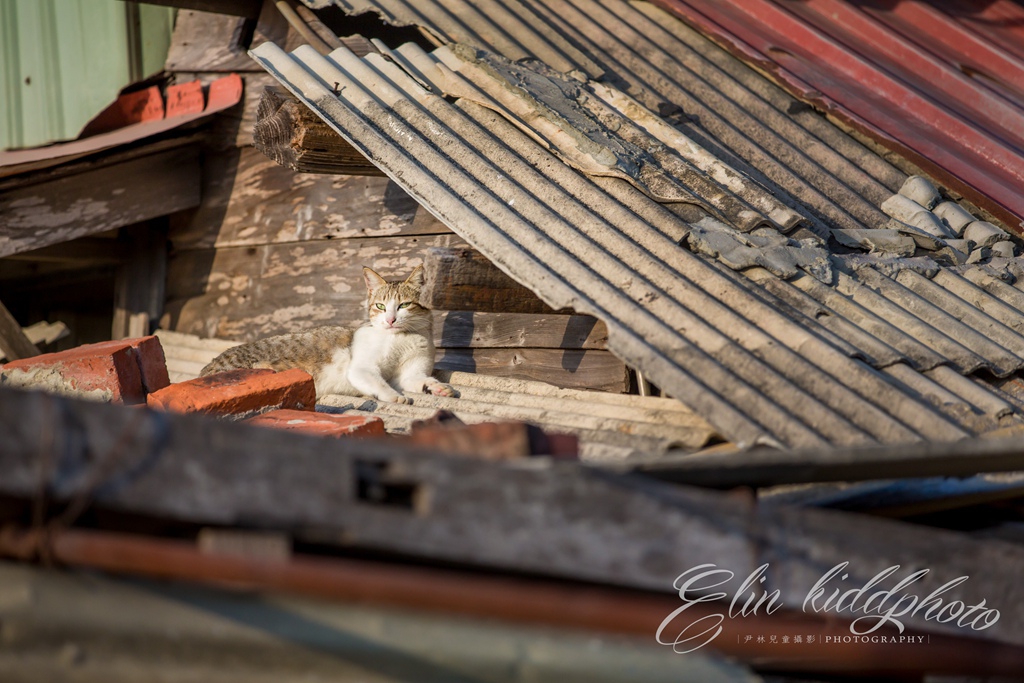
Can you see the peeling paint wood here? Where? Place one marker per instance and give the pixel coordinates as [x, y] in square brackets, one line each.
[553, 518]
[250, 200]
[569, 368]
[244, 293]
[464, 279]
[205, 41]
[239, 8]
[466, 329]
[99, 199]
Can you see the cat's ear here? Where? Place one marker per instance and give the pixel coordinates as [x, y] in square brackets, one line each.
[373, 281]
[415, 278]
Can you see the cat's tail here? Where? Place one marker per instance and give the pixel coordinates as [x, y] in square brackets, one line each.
[235, 358]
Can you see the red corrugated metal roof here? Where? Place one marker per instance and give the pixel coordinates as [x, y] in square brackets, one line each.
[942, 82]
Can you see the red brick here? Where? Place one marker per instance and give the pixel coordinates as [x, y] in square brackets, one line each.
[490, 440]
[240, 393]
[321, 424]
[122, 371]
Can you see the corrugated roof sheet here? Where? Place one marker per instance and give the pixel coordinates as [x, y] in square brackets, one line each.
[493, 149]
[945, 81]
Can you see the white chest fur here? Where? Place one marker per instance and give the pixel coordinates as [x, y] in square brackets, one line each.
[389, 352]
[377, 356]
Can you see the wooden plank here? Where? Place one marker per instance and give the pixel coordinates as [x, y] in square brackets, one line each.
[465, 329]
[288, 132]
[769, 467]
[464, 280]
[569, 368]
[83, 253]
[140, 282]
[243, 293]
[559, 519]
[76, 165]
[100, 199]
[240, 8]
[250, 200]
[205, 41]
[12, 338]
[41, 332]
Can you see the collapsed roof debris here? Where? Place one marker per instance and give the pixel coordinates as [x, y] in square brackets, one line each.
[584, 229]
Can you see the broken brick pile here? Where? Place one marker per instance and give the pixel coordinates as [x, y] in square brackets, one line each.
[134, 372]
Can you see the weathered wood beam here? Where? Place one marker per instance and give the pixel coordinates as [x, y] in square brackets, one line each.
[12, 338]
[141, 281]
[476, 329]
[768, 467]
[249, 9]
[568, 368]
[100, 197]
[293, 136]
[553, 518]
[274, 205]
[41, 332]
[464, 280]
[86, 252]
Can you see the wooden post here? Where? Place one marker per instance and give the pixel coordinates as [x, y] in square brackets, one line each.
[13, 340]
[141, 280]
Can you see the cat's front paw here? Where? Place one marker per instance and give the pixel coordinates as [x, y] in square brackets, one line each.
[440, 389]
[392, 397]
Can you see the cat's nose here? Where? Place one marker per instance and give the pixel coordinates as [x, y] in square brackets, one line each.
[390, 319]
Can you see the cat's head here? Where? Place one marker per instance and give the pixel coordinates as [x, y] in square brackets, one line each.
[394, 306]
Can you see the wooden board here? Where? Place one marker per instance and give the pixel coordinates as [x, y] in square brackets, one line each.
[13, 341]
[205, 41]
[98, 198]
[243, 293]
[250, 200]
[465, 329]
[569, 368]
[288, 132]
[464, 280]
[770, 467]
[559, 519]
[241, 8]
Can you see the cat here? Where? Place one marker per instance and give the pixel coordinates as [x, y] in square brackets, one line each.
[388, 358]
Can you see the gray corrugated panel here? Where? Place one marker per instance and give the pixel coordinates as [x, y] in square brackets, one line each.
[810, 379]
[508, 28]
[765, 379]
[1001, 361]
[999, 289]
[836, 327]
[920, 330]
[977, 298]
[663, 61]
[667, 65]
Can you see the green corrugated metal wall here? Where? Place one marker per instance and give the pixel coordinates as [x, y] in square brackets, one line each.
[64, 61]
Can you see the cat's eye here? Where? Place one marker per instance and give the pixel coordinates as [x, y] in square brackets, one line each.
[380, 307]
[405, 305]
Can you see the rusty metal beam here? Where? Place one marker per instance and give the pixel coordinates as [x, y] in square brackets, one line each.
[521, 600]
